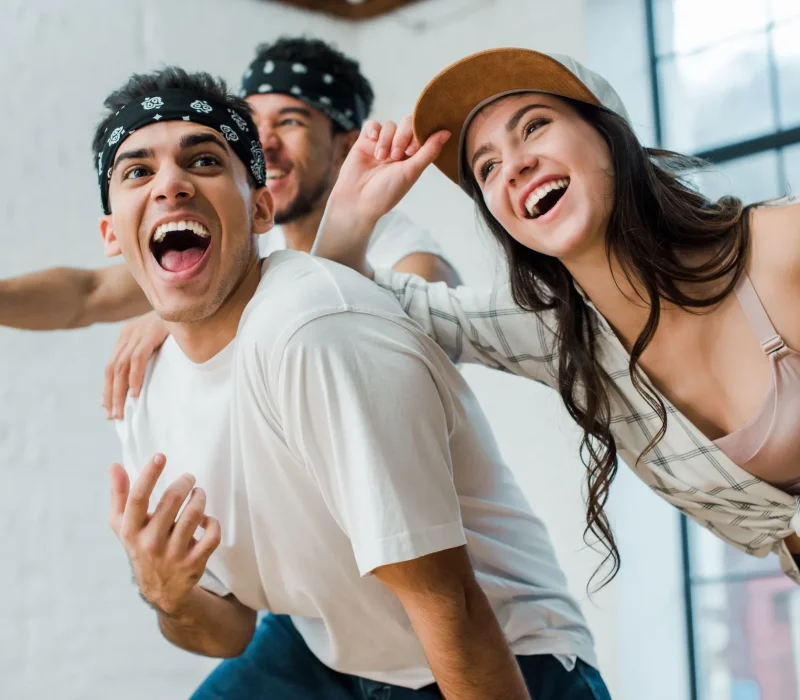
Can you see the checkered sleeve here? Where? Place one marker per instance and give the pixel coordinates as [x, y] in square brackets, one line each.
[478, 326]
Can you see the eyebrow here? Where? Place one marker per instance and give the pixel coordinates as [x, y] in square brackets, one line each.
[295, 110]
[187, 141]
[511, 124]
[138, 154]
[198, 139]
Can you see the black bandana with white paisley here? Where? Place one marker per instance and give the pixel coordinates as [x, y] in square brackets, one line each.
[176, 105]
[308, 84]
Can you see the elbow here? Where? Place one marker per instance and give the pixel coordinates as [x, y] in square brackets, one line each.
[430, 267]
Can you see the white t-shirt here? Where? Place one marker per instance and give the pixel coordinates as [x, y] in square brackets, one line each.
[333, 437]
[395, 236]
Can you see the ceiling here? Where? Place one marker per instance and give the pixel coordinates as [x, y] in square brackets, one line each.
[349, 9]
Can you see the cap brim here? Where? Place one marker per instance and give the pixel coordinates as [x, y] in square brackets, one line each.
[451, 96]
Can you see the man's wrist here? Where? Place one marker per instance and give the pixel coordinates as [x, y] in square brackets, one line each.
[169, 610]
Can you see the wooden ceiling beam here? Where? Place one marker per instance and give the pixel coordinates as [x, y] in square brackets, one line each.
[349, 10]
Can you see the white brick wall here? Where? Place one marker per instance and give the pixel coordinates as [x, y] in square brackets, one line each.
[71, 624]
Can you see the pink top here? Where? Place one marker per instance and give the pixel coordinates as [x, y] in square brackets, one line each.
[768, 445]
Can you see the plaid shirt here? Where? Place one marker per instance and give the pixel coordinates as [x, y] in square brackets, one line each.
[685, 468]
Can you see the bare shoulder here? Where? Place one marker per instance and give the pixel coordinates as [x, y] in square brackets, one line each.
[774, 265]
[776, 239]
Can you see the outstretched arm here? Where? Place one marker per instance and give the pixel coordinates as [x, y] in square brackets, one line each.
[64, 297]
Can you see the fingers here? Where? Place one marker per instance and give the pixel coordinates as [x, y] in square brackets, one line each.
[112, 369]
[429, 151]
[135, 515]
[120, 388]
[166, 511]
[191, 517]
[137, 370]
[120, 486]
[403, 138]
[384, 144]
[205, 546]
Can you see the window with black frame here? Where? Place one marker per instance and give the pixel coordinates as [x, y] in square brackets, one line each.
[726, 79]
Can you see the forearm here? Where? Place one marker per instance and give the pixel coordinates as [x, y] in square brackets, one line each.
[45, 300]
[62, 297]
[468, 652]
[209, 625]
[344, 237]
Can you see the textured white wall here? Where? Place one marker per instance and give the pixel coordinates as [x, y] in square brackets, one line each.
[71, 624]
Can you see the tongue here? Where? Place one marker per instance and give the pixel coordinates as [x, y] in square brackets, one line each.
[180, 260]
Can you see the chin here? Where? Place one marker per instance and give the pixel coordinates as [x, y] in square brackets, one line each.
[191, 312]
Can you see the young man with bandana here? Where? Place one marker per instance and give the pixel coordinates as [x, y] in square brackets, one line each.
[309, 101]
[381, 528]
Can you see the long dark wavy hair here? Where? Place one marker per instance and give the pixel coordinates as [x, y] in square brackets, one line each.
[658, 222]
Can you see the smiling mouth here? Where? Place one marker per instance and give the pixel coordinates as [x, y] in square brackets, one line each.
[179, 245]
[276, 173]
[544, 198]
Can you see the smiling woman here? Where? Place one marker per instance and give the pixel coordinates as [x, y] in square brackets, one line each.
[635, 297]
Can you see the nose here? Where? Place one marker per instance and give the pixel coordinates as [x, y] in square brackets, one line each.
[268, 137]
[172, 185]
[516, 165]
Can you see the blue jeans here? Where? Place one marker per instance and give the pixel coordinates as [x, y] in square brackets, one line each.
[277, 665]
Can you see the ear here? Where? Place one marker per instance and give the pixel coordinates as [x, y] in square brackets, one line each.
[110, 244]
[343, 142]
[263, 209]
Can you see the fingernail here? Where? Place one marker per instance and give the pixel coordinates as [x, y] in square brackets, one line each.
[381, 153]
[158, 460]
[373, 134]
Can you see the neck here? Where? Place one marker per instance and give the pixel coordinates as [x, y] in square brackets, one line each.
[622, 302]
[201, 340]
[300, 233]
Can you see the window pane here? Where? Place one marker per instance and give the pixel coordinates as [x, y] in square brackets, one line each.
[786, 40]
[753, 178]
[711, 558]
[784, 9]
[747, 641]
[687, 25]
[718, 96]
[791, 161]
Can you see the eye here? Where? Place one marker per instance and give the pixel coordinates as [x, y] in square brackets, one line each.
[486, 169]
[206, 161]
[535, 124]
[291, 122]
[136, 172]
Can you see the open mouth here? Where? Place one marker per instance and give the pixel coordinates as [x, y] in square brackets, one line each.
[276, 174]
[178, 246]
[544, 198]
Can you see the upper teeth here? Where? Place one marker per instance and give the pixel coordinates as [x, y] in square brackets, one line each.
[193, 226]
[275, 173]
[536, 196]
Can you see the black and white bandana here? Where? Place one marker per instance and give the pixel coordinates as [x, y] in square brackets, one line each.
[174, 105]
[308, 84]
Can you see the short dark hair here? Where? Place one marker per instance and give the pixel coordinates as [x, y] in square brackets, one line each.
[319, 53]
[141, 85]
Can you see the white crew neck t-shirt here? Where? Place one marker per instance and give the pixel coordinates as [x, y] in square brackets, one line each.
[332, 436]
[394, 237]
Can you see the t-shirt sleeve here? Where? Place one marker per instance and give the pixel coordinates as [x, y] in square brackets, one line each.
[362, 408]
[212, 584]
[395, 237]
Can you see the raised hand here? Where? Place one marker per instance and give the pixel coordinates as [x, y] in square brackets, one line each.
[167, 559]
[378, 172]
